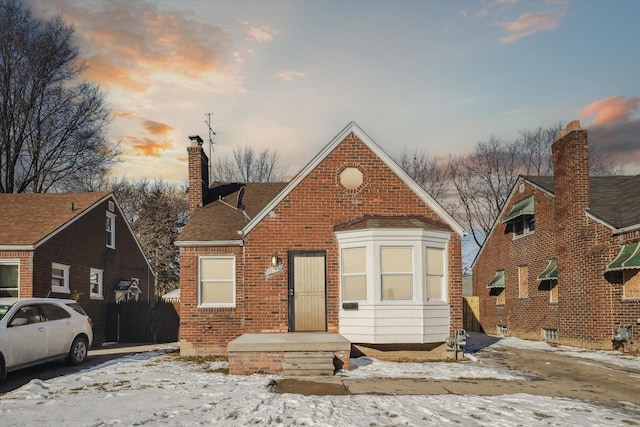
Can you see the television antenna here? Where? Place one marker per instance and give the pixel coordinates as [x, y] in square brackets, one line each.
[211, 135]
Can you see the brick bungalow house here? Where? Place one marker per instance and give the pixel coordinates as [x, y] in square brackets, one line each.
[562, 263]
[351, 245]
[72, 245]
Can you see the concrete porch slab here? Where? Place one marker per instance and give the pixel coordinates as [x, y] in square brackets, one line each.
[291, 341]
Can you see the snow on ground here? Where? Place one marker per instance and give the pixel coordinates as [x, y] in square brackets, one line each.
[156, 389]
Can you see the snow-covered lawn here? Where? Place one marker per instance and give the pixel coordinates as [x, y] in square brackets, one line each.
[159, 389]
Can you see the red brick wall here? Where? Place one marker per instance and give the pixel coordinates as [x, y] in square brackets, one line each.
[303, 221]
[590, 304]
[25, 270]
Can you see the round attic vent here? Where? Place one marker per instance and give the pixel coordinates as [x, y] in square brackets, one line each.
[351, 178]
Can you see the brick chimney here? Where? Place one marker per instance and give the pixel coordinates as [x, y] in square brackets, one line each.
[570, 154]
[198, 173]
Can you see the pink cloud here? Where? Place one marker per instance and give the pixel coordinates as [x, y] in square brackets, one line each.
[148, 147]
[611, 110]
[289, 76]
[528, 24]
[157, 128]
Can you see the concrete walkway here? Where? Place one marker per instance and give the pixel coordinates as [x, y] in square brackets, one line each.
[552, 374]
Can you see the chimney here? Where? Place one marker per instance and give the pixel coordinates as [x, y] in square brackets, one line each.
[198, 173]
[570, 154]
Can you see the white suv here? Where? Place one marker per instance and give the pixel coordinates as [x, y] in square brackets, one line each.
[38, 330]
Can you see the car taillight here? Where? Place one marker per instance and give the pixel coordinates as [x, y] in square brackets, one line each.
[90, 321]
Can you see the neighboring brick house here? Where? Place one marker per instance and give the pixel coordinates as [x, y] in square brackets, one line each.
[71, 245]
[351, 245]
[562, 263]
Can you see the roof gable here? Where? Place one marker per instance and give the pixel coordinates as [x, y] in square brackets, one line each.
[388, 161]
[30, 219]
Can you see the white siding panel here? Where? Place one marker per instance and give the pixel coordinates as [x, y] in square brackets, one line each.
[396, 324]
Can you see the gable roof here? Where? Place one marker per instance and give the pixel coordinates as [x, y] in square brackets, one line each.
[352, 127]
[221, 204]
[28, 220]
[614, 200]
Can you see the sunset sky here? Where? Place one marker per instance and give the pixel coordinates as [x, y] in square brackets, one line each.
[289, 75]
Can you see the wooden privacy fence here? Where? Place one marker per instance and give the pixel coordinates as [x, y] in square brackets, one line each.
[142, 322]
[471, 314]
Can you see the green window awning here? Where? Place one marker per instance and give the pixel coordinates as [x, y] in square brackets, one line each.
[628, 257]
[551, 272]
[523, 207]
[497, 281]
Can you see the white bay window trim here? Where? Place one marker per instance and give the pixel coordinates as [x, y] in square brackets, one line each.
[420, 242]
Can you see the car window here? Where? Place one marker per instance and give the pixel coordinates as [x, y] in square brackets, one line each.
[25, 315]
[77, 308]
[3, 310]
[54, 312]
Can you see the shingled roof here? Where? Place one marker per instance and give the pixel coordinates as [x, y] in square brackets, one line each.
[27, 219]
[613, 199]
[220, 219]
[380, 221]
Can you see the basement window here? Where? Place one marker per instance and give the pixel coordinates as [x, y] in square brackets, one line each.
[501, 330]
[550, 334]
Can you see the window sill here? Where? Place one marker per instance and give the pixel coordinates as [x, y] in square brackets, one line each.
[96, 297]
[523, 235]
[59, 290]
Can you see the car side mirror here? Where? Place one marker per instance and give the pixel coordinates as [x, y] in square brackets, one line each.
[18, 321]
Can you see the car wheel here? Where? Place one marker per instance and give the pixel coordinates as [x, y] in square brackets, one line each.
[3, 368]
[78, 351]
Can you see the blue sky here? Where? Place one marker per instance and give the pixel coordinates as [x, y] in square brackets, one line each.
[438, 76]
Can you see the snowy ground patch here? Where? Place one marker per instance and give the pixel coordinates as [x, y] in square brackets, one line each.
[155, 389]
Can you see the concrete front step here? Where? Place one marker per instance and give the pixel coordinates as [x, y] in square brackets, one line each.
[298, 364]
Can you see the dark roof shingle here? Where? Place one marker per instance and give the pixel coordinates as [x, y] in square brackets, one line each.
[614, 199]
[220, 219]
[26, 219]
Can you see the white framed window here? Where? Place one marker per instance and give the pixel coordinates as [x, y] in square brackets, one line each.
[435, 275]
[9, 278]
[95, 283]
[60, 278]
[354, 274]
[111, 230]
[217, 281]
[396, 273]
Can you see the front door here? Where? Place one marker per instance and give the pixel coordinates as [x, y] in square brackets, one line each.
[307, 291]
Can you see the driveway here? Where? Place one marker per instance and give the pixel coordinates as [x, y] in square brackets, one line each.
[549, 374]
[46, 371]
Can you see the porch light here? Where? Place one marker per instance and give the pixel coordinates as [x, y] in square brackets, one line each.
[274, 259]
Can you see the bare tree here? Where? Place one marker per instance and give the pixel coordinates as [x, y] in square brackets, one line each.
[52, 125]
[248, 166]
[533, 150]
[483, 180]
[157, 213]
[432, 174]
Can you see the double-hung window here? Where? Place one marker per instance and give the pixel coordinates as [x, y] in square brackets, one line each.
[396, 269]
[216, 281]
[60, 278]
[9, 278]
[95, 283]
[435, 274]
[354, 274]
[111, 230]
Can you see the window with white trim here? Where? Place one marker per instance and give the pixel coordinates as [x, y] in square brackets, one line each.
[95, 283]
[216, 281]
[111, 230]
[60, 278]
[354, 274]
[9, 282]
[435, 274]
[396, 270]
